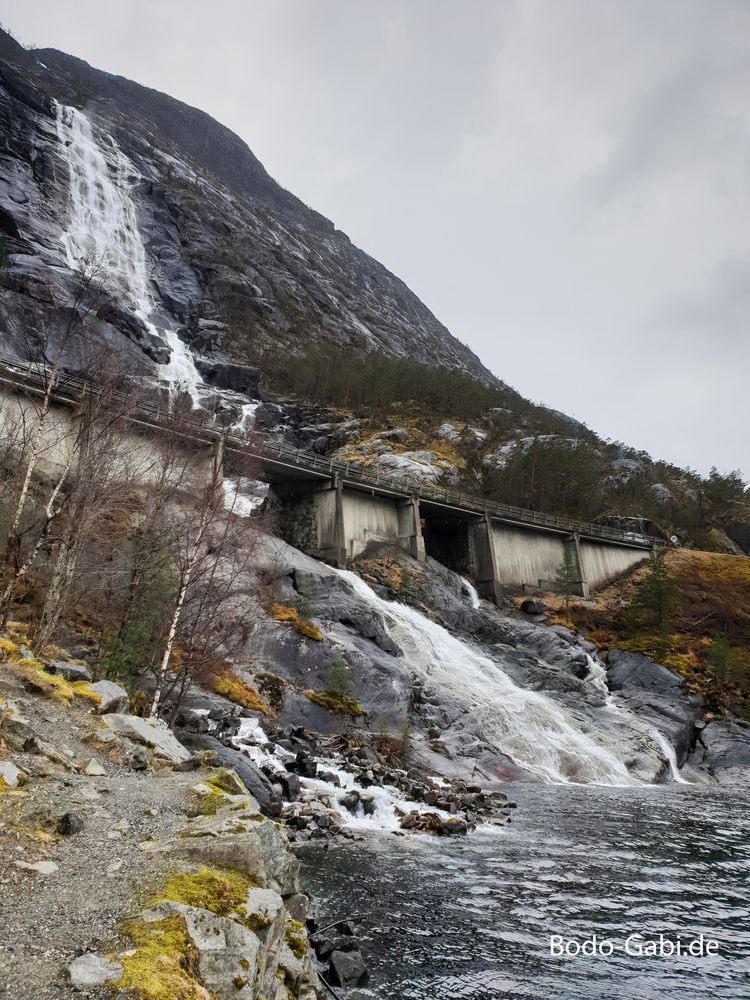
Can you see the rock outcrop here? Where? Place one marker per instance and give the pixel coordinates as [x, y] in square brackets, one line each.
[235, 261]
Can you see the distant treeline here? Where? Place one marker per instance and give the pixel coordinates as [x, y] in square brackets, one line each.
[378, 382]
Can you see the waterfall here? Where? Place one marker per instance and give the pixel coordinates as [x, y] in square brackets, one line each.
[532, 729]
[598, 676]
[471, 591]
[103, 224]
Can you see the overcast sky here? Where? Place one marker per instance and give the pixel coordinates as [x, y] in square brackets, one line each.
[565, 183]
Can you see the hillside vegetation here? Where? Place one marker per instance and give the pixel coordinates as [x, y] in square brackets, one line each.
[491, 440]
[692, 616]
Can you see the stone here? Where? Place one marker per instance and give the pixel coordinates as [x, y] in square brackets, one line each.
[42, 867]
[70, 671]
[24, 652]
[13, 776]
[298, 906]
[94, 768]
[137, 759]
[113, 697]
[249, 774]
[348, 968]
[239, 839]
[69, 824]
[93, 970]
[152, 733]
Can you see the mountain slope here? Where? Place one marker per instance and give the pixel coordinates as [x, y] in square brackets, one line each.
[225, 243]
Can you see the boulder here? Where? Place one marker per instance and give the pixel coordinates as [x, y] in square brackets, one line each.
[348, 968]
[725, 746]
[231, 962]
[92, 970]
[239, 838]
[70, 671]
[151, 733]
[113, 697]
[633, 670]
[251, 776]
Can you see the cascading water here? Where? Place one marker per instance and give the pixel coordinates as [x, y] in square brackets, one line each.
[471, 591]
[104, 224]
[532, 729]
[598, 678]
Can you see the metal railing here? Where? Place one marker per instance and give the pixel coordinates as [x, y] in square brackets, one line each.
[71, 389]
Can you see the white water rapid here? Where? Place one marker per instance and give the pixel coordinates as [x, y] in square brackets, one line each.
[385, 804]
[104, 224]
[529, 727]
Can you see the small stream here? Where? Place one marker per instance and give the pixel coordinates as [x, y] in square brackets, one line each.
[472, 917]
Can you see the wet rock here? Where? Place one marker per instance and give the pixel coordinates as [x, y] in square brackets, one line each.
[228, 375]
[348, 968]
[724, 750]
[113, 697]
[350, 801]
[93, 970]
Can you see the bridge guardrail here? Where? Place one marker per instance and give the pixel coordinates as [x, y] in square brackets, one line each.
[37, 373]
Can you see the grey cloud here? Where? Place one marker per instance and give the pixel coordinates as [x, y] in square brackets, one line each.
[564, 182]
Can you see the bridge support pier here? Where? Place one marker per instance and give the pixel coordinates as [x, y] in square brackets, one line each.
[410, 528]
[574, 544]
[485, 561]
[333, 532]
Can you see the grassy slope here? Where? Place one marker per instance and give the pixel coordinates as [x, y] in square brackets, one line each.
[714, 603]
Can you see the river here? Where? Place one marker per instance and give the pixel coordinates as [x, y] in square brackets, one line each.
[473, 917]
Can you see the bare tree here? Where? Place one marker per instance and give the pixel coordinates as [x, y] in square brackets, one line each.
[47, 374]
[195, 527]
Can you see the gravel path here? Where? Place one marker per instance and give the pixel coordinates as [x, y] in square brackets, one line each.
[46, 920]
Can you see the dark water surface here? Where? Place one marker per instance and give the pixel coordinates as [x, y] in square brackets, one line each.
[472, 918]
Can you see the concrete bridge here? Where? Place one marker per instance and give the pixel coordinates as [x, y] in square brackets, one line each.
[334, 510]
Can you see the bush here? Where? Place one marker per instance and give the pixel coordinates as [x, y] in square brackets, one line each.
[338, 679]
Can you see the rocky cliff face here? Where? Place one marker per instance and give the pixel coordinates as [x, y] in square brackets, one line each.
[235, 262]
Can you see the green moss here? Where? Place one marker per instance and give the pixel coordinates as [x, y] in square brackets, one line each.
[256, 922]
[222, 891]
[226, 781]
[163, 962]
[339, 704]
[239, 983]
[296, 938]
[208, 802]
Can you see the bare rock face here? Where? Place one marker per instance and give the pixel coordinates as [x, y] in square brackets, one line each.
[233, 259]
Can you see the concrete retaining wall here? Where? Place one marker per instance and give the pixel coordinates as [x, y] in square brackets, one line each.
[369, 519]
[603, 563]
[135, 456]
[524, 556]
